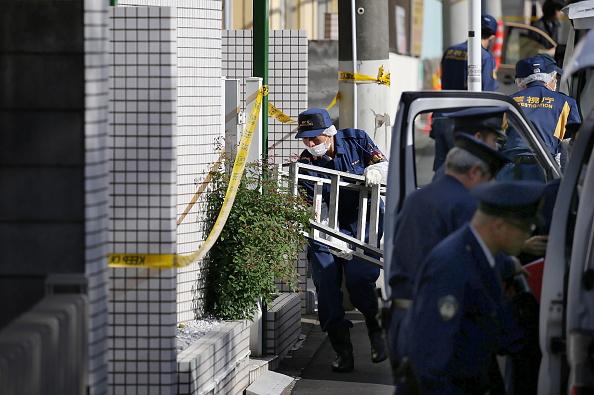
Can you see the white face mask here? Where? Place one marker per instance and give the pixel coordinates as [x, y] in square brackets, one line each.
[319, 150]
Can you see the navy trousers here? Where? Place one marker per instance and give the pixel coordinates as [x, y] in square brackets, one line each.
[327, 272]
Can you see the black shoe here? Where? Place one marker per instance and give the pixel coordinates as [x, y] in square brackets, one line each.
[378, 347]
[340, 340]
[344, 362]
[379, 352]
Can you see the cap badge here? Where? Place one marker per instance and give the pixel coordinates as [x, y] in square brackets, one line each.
[306, 122]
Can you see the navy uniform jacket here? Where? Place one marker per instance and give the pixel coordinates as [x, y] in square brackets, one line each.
[456, 320]
[354, 151]
[428, 215]
[454, 69]
[551, 113]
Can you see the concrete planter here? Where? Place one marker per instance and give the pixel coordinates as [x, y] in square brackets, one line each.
[283, 324]
[218, 363]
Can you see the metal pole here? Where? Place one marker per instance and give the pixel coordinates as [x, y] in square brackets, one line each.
[260, 61]
[227, 14]
[474, 46]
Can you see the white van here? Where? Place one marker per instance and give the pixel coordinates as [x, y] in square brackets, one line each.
[567, 299]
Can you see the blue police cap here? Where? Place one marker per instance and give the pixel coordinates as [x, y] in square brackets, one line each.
[312, 122]
[489, 23]
[521, 200]
[493, 158]
[479, 119]
[528, 66]
[550, 64]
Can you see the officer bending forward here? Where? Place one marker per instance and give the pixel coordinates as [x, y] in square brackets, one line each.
[456, 321]
[352, 151]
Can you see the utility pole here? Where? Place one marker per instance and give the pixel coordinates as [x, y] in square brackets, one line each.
[493, 8]
[455, 22]
[363, 47]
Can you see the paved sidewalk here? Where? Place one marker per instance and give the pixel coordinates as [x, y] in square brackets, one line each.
[310, 364]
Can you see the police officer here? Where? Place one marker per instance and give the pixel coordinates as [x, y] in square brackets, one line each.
[454, 73]
[430, 214]
[457, 318]
[554, 115]
[485, 123]
[353, 151]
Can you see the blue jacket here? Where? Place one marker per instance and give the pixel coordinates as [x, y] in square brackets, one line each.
[454, 69]
[354, 151]
[457, 318]
[552, 114]
[428, 215]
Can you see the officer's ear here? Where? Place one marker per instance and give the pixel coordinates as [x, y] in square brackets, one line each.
[477, 176]
[498, 226]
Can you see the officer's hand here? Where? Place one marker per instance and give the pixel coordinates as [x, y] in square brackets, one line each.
[344, 251]
[373, 177]
[345, 254]
[536, 245]
[519, 268]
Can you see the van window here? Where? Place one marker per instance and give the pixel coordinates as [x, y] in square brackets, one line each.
[523, 42]
[434, 132]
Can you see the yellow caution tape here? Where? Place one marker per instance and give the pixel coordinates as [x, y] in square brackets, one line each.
[201, 189]
[287, 135]
[381, 78]
[336, 98]
[163, 261]
[279, 115]
[168, 261]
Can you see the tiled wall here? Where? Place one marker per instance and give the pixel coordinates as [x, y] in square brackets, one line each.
[96, 22]
[199, 124]
[218, 363]
[143, 143]
[287, 81]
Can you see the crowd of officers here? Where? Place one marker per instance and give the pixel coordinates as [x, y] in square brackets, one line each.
[458, 242]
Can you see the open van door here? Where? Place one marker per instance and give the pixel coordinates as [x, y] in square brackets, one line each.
[567, 301]
[412, 149]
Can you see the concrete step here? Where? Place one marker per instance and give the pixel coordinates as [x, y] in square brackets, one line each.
[269, 383]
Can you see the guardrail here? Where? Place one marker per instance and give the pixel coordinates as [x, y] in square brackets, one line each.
[369, 204]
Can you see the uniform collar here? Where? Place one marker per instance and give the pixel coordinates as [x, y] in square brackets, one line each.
[536, 83]
[486, 251]
[338, 145]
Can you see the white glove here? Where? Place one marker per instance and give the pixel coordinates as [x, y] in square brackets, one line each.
[376, 174]
[373, 177]
[345, 253]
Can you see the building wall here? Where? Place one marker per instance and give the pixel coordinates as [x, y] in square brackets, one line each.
[143, 195]
[288, 76]
[287, 81]
[53, 158]
[96, 223]
[199, 114]
[288, 15]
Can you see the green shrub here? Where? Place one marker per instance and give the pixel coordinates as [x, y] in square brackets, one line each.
[259, 242]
